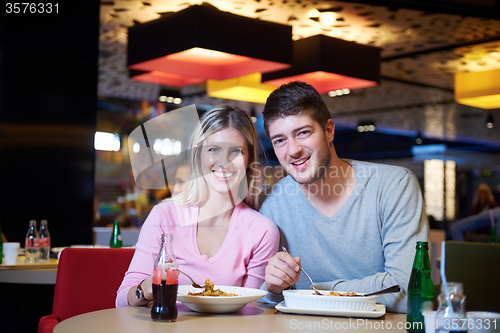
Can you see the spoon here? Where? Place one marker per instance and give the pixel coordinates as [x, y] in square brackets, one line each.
[303, 271]
[194, 284]
[393, 289]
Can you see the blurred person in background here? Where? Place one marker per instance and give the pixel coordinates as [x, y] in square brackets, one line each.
[182, 176]
[477, 225]
[483, 199]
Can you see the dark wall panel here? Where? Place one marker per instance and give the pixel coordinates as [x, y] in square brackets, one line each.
[48, 98]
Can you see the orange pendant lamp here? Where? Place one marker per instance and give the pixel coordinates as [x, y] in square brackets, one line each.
[478, 89]
[202, 42]
[329, 64]
[247, 88]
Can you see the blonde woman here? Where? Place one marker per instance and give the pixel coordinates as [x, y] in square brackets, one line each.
[217, 232]
[483, 199]
[484, 209]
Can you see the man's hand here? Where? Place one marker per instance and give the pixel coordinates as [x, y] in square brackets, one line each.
[282, 271]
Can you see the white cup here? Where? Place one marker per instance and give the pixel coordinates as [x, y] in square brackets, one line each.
[430, 321]
[483, 322]
[10, 252]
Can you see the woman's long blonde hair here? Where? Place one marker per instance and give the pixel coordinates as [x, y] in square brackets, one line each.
[212, 121]
[489, 194]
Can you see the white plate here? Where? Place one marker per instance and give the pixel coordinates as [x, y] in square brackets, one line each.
[378, 312]
[221, 304]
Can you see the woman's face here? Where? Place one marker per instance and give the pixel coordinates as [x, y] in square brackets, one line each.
[483, 196]
[224, 159]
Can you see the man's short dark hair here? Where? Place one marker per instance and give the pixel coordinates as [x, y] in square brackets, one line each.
[295, 98]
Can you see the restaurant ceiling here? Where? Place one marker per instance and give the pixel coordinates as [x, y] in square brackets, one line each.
[424, 43]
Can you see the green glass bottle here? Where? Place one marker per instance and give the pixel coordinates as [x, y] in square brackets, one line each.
[116, 236]
[420, 289]
[493, 235]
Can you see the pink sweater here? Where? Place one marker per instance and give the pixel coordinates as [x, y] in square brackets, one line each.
[252, 239]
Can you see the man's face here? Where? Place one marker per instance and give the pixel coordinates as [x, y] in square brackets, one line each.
[302, 147]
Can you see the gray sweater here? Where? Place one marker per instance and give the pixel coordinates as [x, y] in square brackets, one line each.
[368, 245]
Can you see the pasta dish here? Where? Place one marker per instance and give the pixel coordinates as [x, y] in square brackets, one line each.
[334, 293]
[209, 291]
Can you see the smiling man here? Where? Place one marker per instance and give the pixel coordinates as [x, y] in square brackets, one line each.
[352, 225]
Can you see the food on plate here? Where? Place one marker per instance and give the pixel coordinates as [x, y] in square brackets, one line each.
[334, 293]
[209, 291]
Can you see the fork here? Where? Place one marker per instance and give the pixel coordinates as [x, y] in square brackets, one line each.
[194, 284]
[316, 291]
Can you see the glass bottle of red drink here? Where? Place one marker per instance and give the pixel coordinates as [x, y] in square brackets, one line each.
[32, 244]
[165, 283]
[44, 240]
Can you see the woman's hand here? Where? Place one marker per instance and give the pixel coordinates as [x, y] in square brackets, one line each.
[147, 290]
[147, 287]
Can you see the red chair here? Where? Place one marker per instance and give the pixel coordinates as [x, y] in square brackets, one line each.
[87, 280]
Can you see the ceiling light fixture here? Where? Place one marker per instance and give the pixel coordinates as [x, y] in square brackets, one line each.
[313, 14]
[478, 89]
[329, 63]
[418, 139]
[327, 18]
[202, 42]
[490, 122]
[339, 92]
[253, 114]
[170, 96]
[366, 126]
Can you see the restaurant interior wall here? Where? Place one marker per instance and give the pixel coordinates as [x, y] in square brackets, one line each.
[48, 79]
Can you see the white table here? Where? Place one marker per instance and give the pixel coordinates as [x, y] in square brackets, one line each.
[37, 273]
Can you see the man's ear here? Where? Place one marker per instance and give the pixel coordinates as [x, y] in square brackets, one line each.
[330, 130]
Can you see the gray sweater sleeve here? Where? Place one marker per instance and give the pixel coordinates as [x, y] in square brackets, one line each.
[404, 222]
